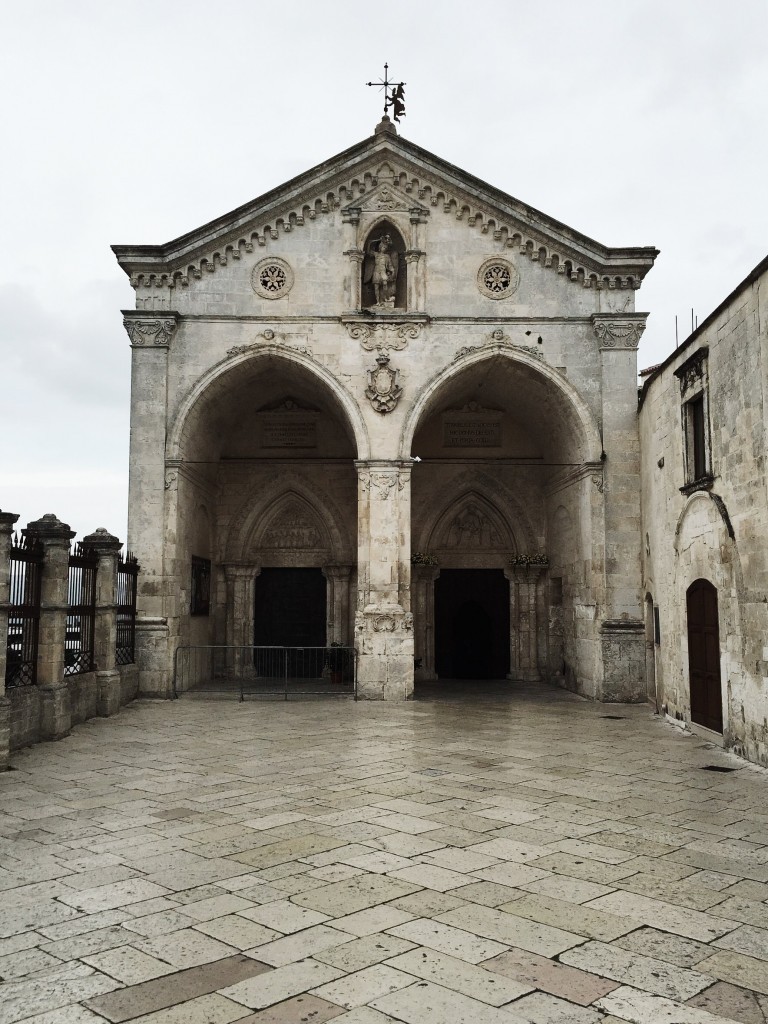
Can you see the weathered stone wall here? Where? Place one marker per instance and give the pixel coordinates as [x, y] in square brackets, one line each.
[716, 532]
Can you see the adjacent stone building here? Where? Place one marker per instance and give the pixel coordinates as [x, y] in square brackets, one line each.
[390, 406]
[704, 423]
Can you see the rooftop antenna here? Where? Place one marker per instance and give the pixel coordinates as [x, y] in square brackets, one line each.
[676, 339]
[394, 98]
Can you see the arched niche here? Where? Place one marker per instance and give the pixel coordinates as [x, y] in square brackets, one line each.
[384, 285]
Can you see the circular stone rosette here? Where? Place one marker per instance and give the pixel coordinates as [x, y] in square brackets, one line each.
[497, 278]
[272, 278]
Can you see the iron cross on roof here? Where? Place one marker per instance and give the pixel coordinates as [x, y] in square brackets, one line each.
[394, 99]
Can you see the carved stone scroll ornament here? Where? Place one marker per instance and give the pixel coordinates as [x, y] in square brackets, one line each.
[619, 333]
[383, 337]
[154, 331]
[270, 337]
[383, 391]
[385, 483]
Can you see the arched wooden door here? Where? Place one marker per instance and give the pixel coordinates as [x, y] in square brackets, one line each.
[704, 655]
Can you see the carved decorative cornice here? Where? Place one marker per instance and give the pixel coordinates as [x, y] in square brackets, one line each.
[618, 332]
[383, 335]
[411, 191]
[691, 372]
[149, 330]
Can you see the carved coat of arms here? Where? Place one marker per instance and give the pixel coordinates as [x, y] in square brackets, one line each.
[383, 391]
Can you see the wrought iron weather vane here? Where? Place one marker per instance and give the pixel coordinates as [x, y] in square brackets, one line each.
[394, 99]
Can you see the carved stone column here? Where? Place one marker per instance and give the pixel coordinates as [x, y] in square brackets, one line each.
[55, 713]
[524, 613]
[383, 622]
[239, 614]
[424, 578]
[415, 280]
[337, 619]
[105, 631]
[7, 521]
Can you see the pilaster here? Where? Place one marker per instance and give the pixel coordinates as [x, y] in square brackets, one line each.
[383, 622]
[55, 715]
[622, 629]
[240, 577]
[150, 336]
[424, 578]
[526, 621]
[7, 522]
[337, 630]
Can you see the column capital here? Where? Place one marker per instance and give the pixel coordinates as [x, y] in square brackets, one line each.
[240, 571]
[147, 328]
[336, 572]
[618, 331]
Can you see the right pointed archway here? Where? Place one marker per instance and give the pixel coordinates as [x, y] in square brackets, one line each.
[509, 483]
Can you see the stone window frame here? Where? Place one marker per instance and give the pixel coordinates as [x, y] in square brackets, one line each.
[511, 269]
[693, 375]
[283, 266]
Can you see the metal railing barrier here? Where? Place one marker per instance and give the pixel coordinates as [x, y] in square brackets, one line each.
[248, 671]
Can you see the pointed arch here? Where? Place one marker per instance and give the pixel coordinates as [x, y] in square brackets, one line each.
[583, 427]
[215, 382]
[471, 520]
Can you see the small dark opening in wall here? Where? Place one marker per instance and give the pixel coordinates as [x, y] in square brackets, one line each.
[556, 590]
[717, 768]
[614, 718]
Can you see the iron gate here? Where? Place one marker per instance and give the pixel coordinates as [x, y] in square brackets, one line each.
[27, 555]
[250, 671]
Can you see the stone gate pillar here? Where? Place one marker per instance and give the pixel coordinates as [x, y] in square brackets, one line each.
[383, 621]
[55, 712]
[105, 631]
[7, 521]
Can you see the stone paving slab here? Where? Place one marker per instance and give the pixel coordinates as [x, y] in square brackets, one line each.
[425, 863]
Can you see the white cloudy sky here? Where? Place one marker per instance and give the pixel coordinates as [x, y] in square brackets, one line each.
[638, 122]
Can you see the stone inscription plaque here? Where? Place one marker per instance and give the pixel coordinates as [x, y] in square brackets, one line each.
[471, 431]
[288, 430]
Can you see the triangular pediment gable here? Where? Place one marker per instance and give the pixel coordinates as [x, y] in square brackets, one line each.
[387, 172]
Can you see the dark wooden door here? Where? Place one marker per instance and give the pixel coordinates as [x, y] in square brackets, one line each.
[704, 655]
[471, 624]
[289, 611]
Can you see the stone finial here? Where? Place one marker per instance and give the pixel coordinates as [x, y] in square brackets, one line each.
[7, 519]
[49, 526]
[385, 127]
[102, 540]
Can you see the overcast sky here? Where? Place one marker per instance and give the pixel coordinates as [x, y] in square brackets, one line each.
[637, 123]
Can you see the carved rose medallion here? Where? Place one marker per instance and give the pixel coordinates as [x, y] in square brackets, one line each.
[383, 391]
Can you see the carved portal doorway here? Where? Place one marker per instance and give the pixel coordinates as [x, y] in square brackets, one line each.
[704, 655]
[472, 624]
[290, 611]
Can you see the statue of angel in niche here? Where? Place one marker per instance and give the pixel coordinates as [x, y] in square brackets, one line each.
[380, 270]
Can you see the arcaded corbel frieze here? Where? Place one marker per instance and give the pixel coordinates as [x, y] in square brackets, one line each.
[618, 332]
[146, 330]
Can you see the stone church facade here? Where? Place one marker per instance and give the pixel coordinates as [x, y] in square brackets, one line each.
[397, 380]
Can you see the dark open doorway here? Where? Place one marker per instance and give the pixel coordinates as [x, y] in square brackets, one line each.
[704, 655]
[472, 624]
[290, 611]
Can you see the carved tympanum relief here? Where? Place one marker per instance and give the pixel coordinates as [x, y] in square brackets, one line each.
[472, 528]
[293, 526]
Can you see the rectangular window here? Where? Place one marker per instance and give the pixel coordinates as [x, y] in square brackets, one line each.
[697, 436]
[200, 597]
